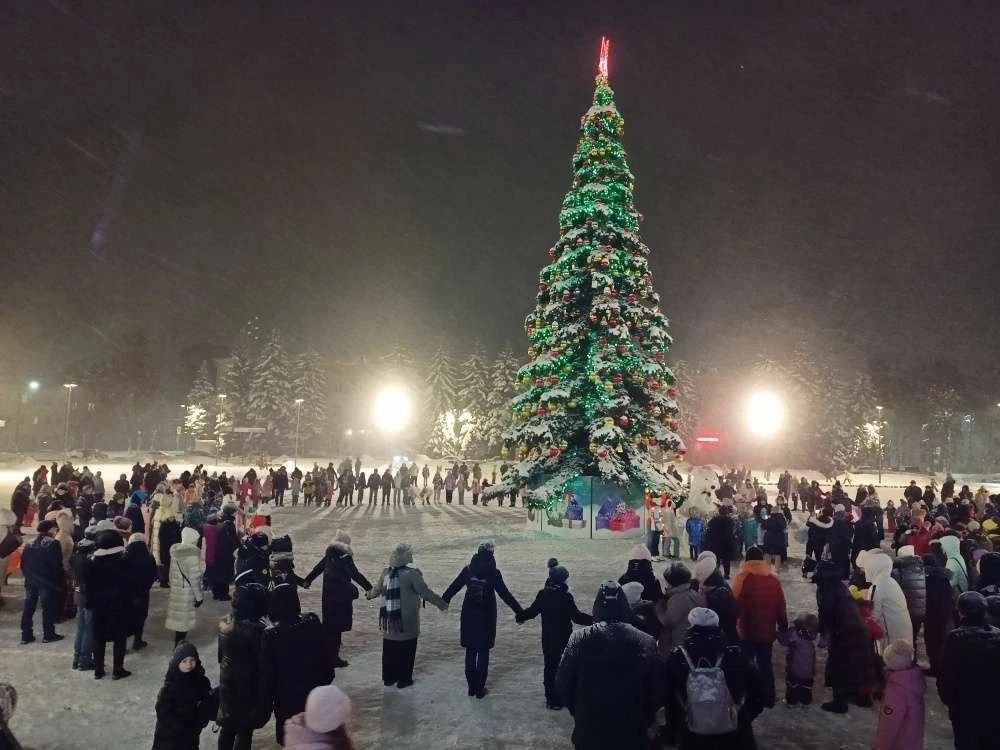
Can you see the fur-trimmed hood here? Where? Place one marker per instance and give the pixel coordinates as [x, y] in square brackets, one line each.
[819, 524]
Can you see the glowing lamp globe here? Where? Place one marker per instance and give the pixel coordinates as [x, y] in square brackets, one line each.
[765, 414]
[392, 409]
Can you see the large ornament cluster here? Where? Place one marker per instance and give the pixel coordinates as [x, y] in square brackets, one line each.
[597, 396]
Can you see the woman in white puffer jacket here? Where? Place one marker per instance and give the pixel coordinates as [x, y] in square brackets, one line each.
[888, 600]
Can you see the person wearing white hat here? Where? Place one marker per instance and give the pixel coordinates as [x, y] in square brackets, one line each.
[322, 726]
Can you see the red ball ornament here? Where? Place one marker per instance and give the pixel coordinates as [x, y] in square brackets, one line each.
[603, 340]
[672, 392]
[565, 296]
[660, 356]
[605, 263]
[539, 382]
[593, 318]
[579, 241]
[623, 349]
[632, 299]
[542, 286]
[540, 411]
[603, 453]
[552, 252]
[554, 380]
[623, 420]
[614, 292]
[613, 322]
[618, 378]
[554, 451]
[652, 442]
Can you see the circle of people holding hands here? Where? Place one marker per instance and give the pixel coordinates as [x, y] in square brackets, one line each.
[683, 660]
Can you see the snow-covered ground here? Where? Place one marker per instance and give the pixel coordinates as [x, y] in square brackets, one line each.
[61, 709]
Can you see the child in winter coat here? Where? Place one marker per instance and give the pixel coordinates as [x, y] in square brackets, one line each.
[800, 661]
[695, 529]
[308, 489]
[558, 609]
[901, 720]
[185, 704]
[321, 725]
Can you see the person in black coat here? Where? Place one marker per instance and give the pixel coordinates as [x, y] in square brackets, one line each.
[483, 582]
[45, 581]
[134, 513]
[293, 655]
[222, 570]
[939, 619]
[719, 535]
[608, 678]
[558, 610]
[245, 694]
[141, 570]
[841, 538]
[704, 643]
[640, 569]
[866, 534]
[719, 598]
[109, 596]
[339, 592]
[775, 542]
[971, 649]
[849, 665]
[818, 532]
[253, 561]
[185, 703]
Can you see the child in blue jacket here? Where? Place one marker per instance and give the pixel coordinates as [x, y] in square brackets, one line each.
[695, 529]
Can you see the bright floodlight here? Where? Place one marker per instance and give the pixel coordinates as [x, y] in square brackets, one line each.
[34, 385]
[391, 409]
[765, 414]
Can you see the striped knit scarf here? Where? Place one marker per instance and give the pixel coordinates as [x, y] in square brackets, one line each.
[390, 615]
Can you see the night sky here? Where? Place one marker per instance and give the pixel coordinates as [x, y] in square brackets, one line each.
[358, 172]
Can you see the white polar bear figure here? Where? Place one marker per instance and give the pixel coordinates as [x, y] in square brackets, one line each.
[704, 482]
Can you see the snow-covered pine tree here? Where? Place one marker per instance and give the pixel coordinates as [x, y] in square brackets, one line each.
[399, 359]
[473, 392]
[503, 375]
[597, 393]
[440, 398]
[201, 404]
[271, 400]
[309, 383]
[687, 394]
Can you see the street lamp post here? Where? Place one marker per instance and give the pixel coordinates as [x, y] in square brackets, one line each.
[69, 405]
[298, 418]
[881, 443]
[33, 385]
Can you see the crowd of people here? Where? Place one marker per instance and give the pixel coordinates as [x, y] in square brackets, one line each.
[683, 659]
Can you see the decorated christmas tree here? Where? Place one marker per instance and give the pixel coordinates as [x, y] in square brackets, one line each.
[596, 398]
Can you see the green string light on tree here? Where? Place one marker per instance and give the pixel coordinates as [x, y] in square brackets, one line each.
[597, 398]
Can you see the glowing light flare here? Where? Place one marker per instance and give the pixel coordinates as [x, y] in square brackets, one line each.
[392, 409]
[602, 65]
[765, 413]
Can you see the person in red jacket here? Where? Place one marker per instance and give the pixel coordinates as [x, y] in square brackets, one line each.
[762, 615]
[920, 537]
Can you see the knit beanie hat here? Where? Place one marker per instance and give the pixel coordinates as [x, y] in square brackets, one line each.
[633, 592]
[677, 575]
[898, 655]
[46, 526]
[907, 550]
[640, 552]
[755, 553]
[706, 565]
[343, 537]
[327, 708]
[972, 606]
[611, 604]
[557, 573]
[808, 622]
[703, 617]
[136, 538]
[123, 524]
